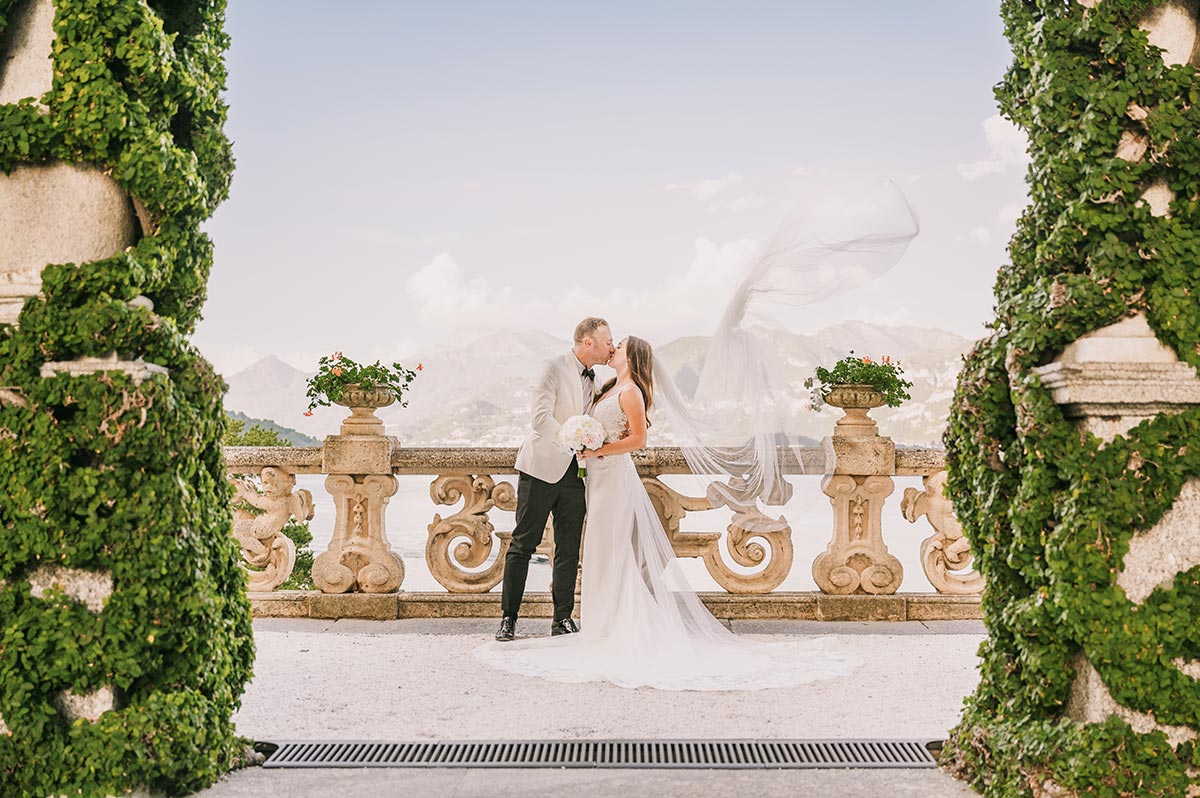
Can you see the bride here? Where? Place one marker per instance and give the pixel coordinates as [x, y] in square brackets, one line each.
[642, 624]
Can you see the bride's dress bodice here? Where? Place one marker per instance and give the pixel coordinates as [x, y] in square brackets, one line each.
[610, 415]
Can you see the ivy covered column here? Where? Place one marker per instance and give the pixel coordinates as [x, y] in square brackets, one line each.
[124, 628]
[1074, 443]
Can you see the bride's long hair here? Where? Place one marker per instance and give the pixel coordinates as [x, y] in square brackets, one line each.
[641, 370]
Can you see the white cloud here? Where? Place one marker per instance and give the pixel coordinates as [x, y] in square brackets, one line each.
[687, 302]
[1006, 149]
[707, 189]
[441, 290]
[980, 235]
[1009, 214]
[801, 171]
[742, 203]
[977, 235]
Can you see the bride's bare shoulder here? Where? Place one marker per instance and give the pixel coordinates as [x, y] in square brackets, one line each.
[631, 396]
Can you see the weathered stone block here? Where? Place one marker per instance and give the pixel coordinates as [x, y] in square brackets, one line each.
[780, 606]
[1090, 702]
[861, 608]
[25, 50]
[88, 706]
[1157, 555]
[859, 456]
[90, 588]
[937, 607]
[1129, 341]
[282, 603]
[138, 369]
[357, 454]
[57, 213]
[370, 606]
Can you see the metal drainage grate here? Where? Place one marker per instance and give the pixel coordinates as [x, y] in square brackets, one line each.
[719, 754]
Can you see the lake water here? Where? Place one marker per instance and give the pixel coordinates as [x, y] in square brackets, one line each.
[411, 511]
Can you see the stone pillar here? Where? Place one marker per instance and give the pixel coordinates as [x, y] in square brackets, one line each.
[359, 557]
[1107, 383]
[859, 464]
[49, 213]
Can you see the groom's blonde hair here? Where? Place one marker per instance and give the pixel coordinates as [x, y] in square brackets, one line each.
[587, 327]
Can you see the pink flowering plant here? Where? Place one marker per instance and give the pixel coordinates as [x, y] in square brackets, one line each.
[884, 375]
[337, 373]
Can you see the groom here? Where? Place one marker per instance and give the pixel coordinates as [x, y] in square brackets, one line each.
[549, 481]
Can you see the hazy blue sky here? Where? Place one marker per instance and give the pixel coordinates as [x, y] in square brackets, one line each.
[411, 173]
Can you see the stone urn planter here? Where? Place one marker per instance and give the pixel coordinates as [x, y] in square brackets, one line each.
[856, 402]
[363, 404]
[859, 464]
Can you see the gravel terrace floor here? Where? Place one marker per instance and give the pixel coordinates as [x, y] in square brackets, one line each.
[392, 681]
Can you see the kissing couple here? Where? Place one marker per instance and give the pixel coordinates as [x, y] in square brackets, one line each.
[642, 624]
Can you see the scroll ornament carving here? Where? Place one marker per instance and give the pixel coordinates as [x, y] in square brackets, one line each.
[270, 555]
[469, 532]
[856, 560]
[946, 550]
[751, 537]
[359, 556]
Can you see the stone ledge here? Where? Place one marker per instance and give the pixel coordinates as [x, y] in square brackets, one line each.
[653, 461]
[1121, 388]
[793, 606]
[369, 606]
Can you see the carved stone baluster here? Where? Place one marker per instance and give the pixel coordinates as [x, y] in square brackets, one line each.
[270, 554]
[359, 464]
[472, 530]
[857, 560]
[946, 550]
[359, 555]
[747, 534]
[859, 463]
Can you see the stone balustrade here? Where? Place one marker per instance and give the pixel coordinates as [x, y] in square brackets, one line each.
[465, 553]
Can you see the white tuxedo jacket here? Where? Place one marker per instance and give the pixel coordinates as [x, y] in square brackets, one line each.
[557, 395]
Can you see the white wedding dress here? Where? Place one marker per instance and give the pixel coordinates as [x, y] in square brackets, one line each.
[641, 623]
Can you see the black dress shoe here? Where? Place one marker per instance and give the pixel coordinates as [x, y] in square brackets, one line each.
[564, 627]
[507, 630]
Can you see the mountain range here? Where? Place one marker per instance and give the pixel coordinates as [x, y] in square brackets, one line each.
[478, 393]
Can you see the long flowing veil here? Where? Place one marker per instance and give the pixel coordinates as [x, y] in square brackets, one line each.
[642, 623]
[738, 428]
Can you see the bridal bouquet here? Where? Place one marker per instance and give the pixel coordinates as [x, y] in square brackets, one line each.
[579, 433]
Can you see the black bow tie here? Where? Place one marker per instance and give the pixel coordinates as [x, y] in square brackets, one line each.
[591, 375]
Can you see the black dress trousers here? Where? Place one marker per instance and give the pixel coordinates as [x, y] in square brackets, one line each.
[536, 500]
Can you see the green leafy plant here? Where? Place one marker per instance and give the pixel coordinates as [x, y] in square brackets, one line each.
[1049, 510]
[102, 472]
[337, 373]
[237, 434]
[301, 578]
[884, 375]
